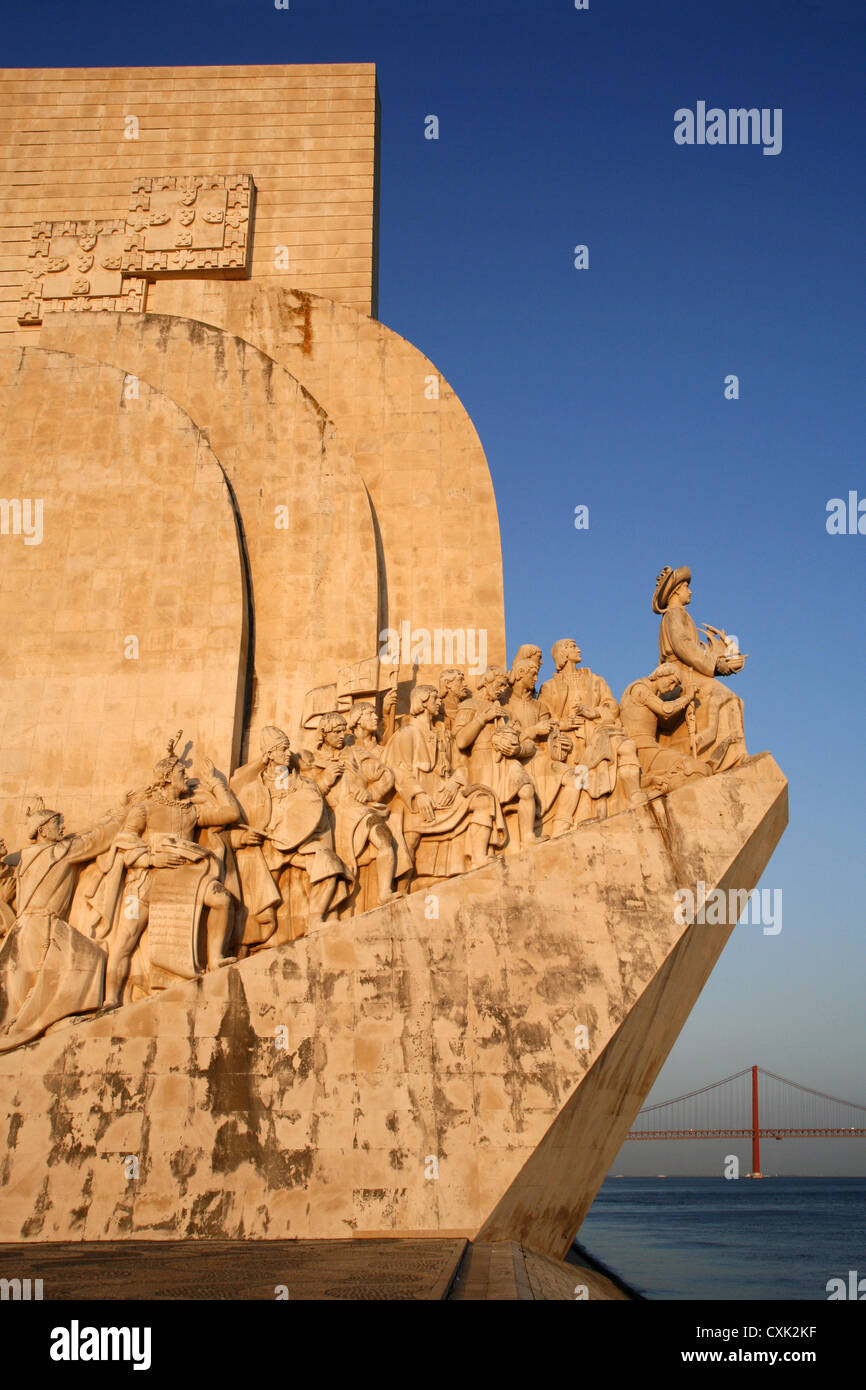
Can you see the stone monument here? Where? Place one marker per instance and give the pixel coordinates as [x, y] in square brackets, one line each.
[354, 934]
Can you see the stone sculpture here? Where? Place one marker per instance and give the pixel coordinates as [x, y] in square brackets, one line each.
[7, 892]
[447, 823]
[648, 705]
[172, 880]
[362, 726]
[286, 829]
[166, 383]
[719, 736]
[356, 784]
[453, 690]
[184, 878]
[485, 732]
[582, 704]
[48, 969]
[558, 792]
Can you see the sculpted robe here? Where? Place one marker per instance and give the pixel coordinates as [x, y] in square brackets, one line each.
[546, 770]
[716, 706]
[599, 744]
[361, 769]
[505, 775]
[423, 761]
[567, 688]
[48, 970]
[295, 822]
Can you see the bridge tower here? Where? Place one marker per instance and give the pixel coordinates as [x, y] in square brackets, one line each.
[756, 1132]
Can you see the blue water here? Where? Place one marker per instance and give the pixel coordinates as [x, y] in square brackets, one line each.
[777, 1238]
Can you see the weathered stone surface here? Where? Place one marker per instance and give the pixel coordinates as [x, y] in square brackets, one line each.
[430, 1082]
[308, 529]
[412, 440]
[138, 541]
[80, 138]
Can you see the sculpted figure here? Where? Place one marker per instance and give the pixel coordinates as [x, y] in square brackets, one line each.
[577, 699]
[445, 820]
[453, 690]
[100, 883]
[644, 712]
[7, 891]
[171, 879]
[496, 750]
[553, 778]
[532, 654]
[356, 784]
[719, 736]
[582, 703]
[362, 727]
[48, 970]
[362, 723]
[286, 827]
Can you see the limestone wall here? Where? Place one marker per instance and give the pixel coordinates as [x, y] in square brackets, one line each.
[306, 133]
[125, 618]
[308, 531]
[413, 442]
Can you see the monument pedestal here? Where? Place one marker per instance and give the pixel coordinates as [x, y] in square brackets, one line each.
[411, 1072]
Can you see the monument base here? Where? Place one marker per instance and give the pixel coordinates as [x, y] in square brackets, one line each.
[462, 1063]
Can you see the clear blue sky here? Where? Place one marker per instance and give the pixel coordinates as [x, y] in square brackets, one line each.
[605, 386]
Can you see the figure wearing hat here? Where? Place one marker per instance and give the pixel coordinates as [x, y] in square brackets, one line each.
[48, 970]
[47, 870]
[286, 826]
[719, 736]
[173, 878]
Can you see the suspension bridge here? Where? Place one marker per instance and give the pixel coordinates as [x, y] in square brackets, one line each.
[741, 1107]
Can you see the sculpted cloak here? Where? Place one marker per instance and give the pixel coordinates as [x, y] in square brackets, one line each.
[545, 769]
[422, 760]
[504, 775]
[599, 745]
[680, 644]
[295, 822]
[361, 769]
[48, 970]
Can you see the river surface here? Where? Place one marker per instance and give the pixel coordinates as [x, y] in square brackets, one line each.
[712, 1238]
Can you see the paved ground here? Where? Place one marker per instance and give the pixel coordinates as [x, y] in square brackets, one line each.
[305, 1270]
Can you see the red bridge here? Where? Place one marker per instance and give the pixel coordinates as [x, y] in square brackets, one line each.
[736, 1113]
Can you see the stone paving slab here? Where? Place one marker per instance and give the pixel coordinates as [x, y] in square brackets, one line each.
[307, 1270]
[302, 1270]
